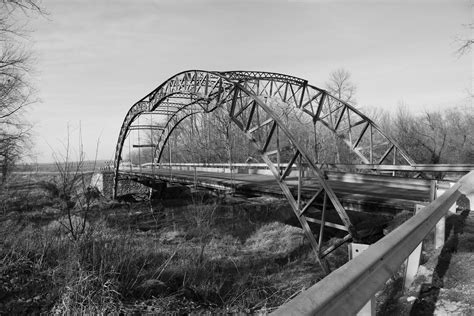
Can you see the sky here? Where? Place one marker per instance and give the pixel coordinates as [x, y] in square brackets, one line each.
[95, 59]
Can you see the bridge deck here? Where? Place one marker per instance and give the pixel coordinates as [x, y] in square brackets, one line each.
[356, 192]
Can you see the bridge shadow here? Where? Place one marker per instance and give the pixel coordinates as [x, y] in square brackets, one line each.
[429, 293]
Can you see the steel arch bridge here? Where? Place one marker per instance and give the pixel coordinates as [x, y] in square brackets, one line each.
[247, 98]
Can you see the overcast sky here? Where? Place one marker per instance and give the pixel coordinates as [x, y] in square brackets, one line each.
[94, 59]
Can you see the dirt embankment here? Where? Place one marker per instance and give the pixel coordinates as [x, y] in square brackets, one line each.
[444, 284]
[451, 290]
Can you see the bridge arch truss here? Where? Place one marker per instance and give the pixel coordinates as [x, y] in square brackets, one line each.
[248, 97]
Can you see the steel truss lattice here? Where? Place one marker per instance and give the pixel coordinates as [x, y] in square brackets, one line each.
[247, 97]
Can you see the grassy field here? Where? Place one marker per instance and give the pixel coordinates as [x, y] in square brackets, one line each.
[88, 165]
[196, 254]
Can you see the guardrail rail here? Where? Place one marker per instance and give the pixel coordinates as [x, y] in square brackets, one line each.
[346, 290]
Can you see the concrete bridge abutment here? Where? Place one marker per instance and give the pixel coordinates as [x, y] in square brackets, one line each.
[104, 181]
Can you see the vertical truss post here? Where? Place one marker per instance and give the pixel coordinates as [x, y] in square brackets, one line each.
[139, 148]
[323, 222]
[300, 184]
[171, 167]
[152, 141]
[278, 149]
[129, 152]
[195, 178]
[371, 144]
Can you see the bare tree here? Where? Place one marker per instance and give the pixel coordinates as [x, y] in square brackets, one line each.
[436, 137]
[16, 92]
[340, 86]
[433, 135]
[72, 186]
[460, 144]
[12, 146]
[24, 5]
[465, 43]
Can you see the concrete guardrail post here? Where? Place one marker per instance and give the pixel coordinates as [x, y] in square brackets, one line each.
[467, 189]
[440, 229]
[356, 249]
[413, 261]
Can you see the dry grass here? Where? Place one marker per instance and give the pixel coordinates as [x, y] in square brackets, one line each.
[179, 259]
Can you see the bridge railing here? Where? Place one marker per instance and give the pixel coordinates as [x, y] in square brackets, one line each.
[346, 290]
[332, 172]
[457, 168]
[251, 168]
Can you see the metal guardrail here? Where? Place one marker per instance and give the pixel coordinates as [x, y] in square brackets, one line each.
[346, 290]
